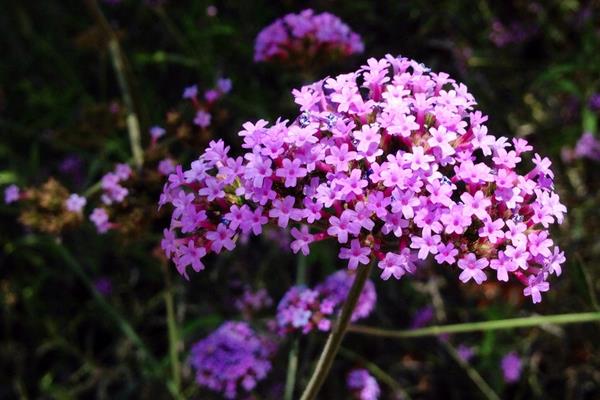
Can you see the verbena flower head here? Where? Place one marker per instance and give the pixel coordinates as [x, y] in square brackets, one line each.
[588, 147]
[362, 385]
[304, 309]
[306, 35]
[394, 163]
[231, 360]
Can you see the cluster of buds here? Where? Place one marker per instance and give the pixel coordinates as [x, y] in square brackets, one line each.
[303, 309]
[391, 161]
[306, 35]
[45, 209]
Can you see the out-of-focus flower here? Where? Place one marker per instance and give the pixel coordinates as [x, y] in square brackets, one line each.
[516, 32]
[12, 193]
[306, 35]
[465, 352]
[594, 102]
[75, 203]
[251, 302]
[99, 217]
[362, 385]
[511, 367]
[202, 119]
[588, 147]
[166, 166]
[232, 359]
[103, 285]
[156, 132]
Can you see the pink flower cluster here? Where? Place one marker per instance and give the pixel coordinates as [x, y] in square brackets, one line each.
[306, 33]
[112, 190]
[303, 309]
[394, 163]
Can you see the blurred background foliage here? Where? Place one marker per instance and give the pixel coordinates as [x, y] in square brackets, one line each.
[87, 316]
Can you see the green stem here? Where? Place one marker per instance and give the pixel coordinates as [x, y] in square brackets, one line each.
[487, 391]
[512, 323]
[108, 309]
[292, 368]
[120, 64]
[173, 332]
[337, 334]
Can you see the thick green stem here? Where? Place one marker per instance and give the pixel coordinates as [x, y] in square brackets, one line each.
[337, 334]
[559, 319]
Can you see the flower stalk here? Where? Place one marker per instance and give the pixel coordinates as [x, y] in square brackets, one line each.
[511, 323]
[337, 334]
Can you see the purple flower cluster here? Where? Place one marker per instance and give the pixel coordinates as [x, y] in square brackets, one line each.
[12, 193]
[362, 385]
[306, 33]
[112, 191]
[394, 163]
[231, 359]
[304, 309]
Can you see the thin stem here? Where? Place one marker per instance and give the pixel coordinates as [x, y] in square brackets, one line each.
[290, 381]
[108, 309]
[376, 371]
[512, 323]
[119, 62]
[292, 368]
[486, 389]
[173, 332]
[337, 334]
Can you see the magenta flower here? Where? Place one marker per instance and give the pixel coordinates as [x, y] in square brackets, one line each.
[343, 226]
[303, 239]
[355, 254]
[291, 171]
[535, 287]
[472, 268]
[221, 238]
